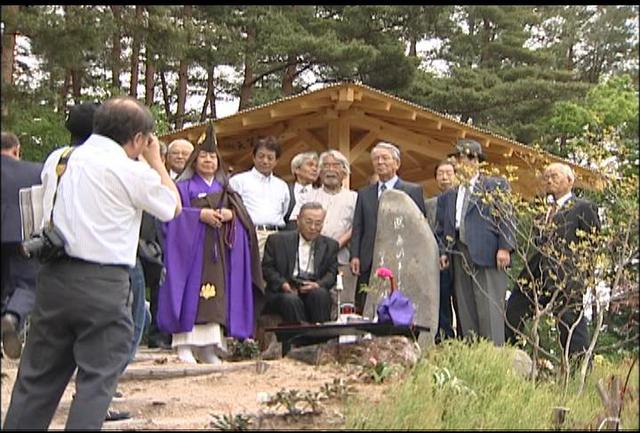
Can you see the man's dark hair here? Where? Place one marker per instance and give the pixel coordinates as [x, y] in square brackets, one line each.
[441, 163]
[80, 121]
[268, 143]
[9, 140]
[121, 118]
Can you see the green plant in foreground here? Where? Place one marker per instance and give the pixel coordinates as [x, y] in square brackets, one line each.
[229, 422]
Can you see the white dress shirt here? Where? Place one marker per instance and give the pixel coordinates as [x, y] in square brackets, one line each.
[265, 197]
[462, 190]
[305, 259]
[100, 200]
[388, 184]
[558, 203]
[302, 194]
[340, 208]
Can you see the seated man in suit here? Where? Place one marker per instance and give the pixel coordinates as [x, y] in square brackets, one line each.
[300, 268]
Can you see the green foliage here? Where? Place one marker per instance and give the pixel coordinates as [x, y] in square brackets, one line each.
[461, 386]
[229, 422]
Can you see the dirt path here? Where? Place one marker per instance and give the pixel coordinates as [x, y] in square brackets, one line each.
[190, 402]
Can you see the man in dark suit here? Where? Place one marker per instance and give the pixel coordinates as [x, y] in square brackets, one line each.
[445, 175]
[553, 267]
[385, 158]
[300, 268]
[475, 229]
[18, 272]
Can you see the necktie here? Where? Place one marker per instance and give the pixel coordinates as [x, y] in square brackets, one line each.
[465, 206]
[383, 187]
[553, 209]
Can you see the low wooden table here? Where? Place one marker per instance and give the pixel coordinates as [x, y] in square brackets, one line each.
[303, 335]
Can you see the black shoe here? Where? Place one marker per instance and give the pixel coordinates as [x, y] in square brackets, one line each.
[158, 344]
[10, 339]
[116, 415]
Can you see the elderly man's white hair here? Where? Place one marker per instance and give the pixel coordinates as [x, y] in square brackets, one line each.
[301, 158]
[385, 145]
[179, 141]
[338, 156]
[563, 168]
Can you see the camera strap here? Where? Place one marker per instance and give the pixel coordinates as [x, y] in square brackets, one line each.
[61, 167]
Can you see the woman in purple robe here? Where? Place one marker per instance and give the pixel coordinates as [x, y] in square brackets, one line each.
[213, 277]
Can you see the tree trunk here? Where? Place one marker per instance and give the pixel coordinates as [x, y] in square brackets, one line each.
[149, 80]
[288, 76]
[64, 91]
[135, 56]
[413, 47]
[76, 84]
[10, 18]
[210, 94]
[165, 96]
[183, 74]
[247, 83]
[116, 48]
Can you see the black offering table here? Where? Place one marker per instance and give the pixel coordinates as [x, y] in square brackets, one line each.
[302, 335]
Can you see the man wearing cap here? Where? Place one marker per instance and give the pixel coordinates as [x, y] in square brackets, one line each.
[475, 231]
[385, 158]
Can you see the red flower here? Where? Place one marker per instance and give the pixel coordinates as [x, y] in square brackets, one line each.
[384, 273]
[387, 273]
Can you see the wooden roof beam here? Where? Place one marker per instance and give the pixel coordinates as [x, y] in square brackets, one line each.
[363, 144]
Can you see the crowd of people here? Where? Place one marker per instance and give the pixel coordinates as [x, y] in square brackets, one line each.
[217, 251]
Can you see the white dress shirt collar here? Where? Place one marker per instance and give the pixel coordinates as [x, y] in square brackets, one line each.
[260, 176]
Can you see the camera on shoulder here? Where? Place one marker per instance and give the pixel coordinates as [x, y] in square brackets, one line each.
[45, 246]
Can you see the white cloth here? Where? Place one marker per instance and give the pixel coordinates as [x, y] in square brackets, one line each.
[555, 205]
[173, 175]
[305, 257]
[462, 190]
[340, 208]
[265, 197]
[388, 184]
[100, 201]
[201, 335]
[302, 194]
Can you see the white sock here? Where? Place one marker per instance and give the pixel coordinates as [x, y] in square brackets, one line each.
[185, 354]
[207, 355]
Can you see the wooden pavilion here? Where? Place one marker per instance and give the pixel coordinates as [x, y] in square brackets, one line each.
[352, 118]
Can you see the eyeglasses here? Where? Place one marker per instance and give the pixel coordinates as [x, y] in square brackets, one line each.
[178, 153]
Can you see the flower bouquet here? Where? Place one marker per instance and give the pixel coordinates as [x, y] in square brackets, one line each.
[394, 308]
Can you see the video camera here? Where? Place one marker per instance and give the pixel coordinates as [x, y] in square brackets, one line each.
[46, 246]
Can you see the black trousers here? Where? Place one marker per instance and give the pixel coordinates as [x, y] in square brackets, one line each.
[361, 297]
[81, 319]
[520, 308]
[18, 290]
[312, 307]
[152, 275]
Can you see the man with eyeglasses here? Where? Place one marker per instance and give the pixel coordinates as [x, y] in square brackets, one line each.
[178, 152]
[300, 268]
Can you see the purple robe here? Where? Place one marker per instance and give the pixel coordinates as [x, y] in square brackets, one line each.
[179, 294]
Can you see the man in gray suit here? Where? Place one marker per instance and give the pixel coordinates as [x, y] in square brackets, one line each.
[18, 272]
[478, 235]
[385, 158]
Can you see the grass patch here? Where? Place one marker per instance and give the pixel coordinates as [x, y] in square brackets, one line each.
[460, 386]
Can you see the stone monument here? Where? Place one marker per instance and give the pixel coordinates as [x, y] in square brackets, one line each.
[406, 245]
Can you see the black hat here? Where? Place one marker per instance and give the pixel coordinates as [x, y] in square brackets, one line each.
[469, 148]
[207, 140]
[80, 121]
